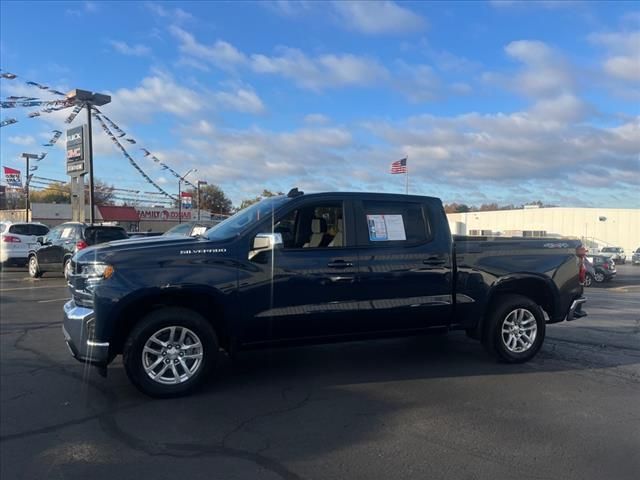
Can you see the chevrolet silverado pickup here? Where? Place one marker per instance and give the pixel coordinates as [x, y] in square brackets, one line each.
[312, 268]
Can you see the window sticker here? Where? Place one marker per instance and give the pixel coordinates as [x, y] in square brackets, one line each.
[67, 232]
[386, 228]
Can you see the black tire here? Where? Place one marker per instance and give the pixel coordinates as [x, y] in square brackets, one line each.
[65, 265]
[493, 337]
[34, 268]
[157, 321]
[599, 277]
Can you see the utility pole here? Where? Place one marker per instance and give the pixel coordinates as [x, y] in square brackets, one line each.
[200, 182]
[88, 100]
[27, 206]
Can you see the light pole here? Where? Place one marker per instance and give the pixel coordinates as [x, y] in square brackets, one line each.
[89, 99]
[180, 180]
[27, 157]
[200, 182]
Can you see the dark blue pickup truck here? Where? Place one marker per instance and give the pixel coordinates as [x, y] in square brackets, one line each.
[310, 269]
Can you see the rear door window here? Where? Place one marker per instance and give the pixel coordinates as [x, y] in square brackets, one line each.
[392, 223]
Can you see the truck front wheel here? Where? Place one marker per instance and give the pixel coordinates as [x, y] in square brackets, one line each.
[515, 329]
[170, 352]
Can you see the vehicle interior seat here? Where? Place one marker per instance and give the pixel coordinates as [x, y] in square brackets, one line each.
[337, 240]
[318, 233]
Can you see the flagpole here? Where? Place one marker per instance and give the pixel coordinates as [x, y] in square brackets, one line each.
[406, 177]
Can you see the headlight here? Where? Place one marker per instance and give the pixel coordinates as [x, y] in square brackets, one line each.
[96, 270]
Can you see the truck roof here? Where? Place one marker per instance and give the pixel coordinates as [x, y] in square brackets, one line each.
[387, 196]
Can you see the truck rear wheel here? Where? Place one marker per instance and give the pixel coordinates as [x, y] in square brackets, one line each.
[170, 352]
[515, 329]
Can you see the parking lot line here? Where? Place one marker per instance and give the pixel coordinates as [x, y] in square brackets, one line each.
[31, 288]
[54, 300]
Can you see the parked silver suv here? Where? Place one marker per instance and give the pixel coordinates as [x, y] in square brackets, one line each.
[635, 259]
[614, 253]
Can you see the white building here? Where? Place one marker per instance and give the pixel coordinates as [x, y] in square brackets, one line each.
[598, 227]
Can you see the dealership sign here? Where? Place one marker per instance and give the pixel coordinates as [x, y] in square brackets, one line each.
[76, 147]
[163, 214]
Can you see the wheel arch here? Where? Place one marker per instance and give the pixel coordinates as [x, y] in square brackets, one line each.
[203, 300]
[537, 288]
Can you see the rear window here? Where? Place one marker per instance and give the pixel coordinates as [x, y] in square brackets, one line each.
[20, 229]
[95, 235]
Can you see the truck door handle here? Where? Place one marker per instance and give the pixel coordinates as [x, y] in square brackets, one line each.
[434, 261]
[340, 264]
[342, 279]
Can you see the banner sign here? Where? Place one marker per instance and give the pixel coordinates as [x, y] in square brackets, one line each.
[187, 200]
[76, 164]
[12, 177]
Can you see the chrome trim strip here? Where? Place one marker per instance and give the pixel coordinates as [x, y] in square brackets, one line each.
[91, 343]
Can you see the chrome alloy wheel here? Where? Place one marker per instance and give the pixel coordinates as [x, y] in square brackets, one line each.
[172, 355]
[33, 266]
[519, 330]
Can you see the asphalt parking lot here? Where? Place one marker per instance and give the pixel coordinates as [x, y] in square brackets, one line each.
[419, 408]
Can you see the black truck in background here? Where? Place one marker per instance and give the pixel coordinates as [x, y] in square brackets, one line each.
[310, 269]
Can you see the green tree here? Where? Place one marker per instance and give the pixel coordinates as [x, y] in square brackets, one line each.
[212, 198]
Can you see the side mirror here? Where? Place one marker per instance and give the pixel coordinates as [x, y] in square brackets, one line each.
[265, 242]
[40, 240]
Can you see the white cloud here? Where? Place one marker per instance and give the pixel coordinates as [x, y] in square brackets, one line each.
[323, 71]
[83, 8]
[316, 119]
[157, 93]
[124, 48]
[623, 54]
[380, 17]
[240, 100]
[418, 83]
[545, 72]
[221, 54]
[174, 14]
[24, 140]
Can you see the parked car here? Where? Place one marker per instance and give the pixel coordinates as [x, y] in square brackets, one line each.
[600, 269]
[55, 250]
[190, 229]
[17, 239]
[635, 259]
[310, 269]
[614, 253]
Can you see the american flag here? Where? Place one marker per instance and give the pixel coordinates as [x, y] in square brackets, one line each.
[399, 166]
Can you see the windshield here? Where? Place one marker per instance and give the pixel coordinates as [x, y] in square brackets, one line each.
[180, 229]
[244, 219]
[610, 249]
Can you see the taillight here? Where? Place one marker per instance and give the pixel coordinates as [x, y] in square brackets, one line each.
[11, 239]
[80, 244]
[581, 252]
[605, 266]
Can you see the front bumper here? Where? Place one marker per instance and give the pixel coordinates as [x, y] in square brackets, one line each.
[575, 311]
[77, 328]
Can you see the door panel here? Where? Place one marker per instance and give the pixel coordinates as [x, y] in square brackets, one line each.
[299, 291]
[407, 282]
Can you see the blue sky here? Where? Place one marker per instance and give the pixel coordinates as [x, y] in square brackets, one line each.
[492, 101]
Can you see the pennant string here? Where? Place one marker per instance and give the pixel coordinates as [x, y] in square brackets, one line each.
[133, 163]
